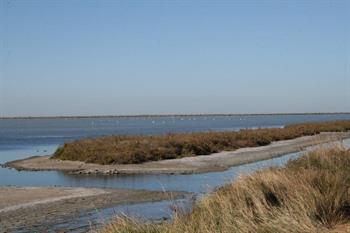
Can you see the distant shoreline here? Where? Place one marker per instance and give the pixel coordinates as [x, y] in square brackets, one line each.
[171, 115]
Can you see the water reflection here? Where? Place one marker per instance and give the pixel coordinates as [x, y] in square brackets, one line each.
[197, 183]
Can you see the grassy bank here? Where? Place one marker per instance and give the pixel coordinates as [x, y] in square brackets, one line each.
[310, 194]
[138, 149]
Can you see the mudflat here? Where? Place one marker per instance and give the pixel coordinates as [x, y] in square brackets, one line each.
[23, 207]
[195, 164]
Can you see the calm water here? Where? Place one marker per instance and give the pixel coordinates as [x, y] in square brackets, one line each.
[22, 138]
[201, 184]
[198, 183]
[19, 133]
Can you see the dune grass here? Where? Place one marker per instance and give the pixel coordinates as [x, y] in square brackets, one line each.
[310, 194]
[139, 149]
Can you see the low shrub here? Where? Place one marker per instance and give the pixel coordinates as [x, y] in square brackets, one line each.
[139, 149]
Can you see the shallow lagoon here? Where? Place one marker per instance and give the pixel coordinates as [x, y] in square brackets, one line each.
[22, 138]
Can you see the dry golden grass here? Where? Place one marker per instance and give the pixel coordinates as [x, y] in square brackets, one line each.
[310, 194]
[138, 149]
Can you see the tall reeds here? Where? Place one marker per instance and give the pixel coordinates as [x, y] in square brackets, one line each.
[310, 194]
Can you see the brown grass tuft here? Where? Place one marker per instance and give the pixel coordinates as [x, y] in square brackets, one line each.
[310, 194]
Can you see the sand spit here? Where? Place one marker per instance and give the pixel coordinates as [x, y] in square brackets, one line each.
[196, 164]
[23, 207]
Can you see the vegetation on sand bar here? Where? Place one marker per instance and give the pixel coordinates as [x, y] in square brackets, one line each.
[311, 194]
[138, 149]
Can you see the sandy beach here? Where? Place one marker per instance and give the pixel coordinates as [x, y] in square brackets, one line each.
[205, 163]
[22, 207]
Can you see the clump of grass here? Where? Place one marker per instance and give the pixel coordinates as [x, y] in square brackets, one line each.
[310, 194]
[139, 149]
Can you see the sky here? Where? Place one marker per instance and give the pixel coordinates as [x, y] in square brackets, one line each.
[173, 57]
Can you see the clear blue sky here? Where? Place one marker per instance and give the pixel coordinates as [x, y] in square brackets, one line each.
[157, 57]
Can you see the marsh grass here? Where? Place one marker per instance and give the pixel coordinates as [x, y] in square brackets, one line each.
[139, 149]
[310, 194]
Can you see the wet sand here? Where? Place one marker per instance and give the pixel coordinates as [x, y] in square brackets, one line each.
[204, 163]
[23, 207]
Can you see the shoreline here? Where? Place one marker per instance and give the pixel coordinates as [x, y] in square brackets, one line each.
[23, 207]
[308, 194]
[172, 115]
[187, 165]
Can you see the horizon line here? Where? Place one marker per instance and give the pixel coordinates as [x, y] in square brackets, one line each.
[171, 115]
